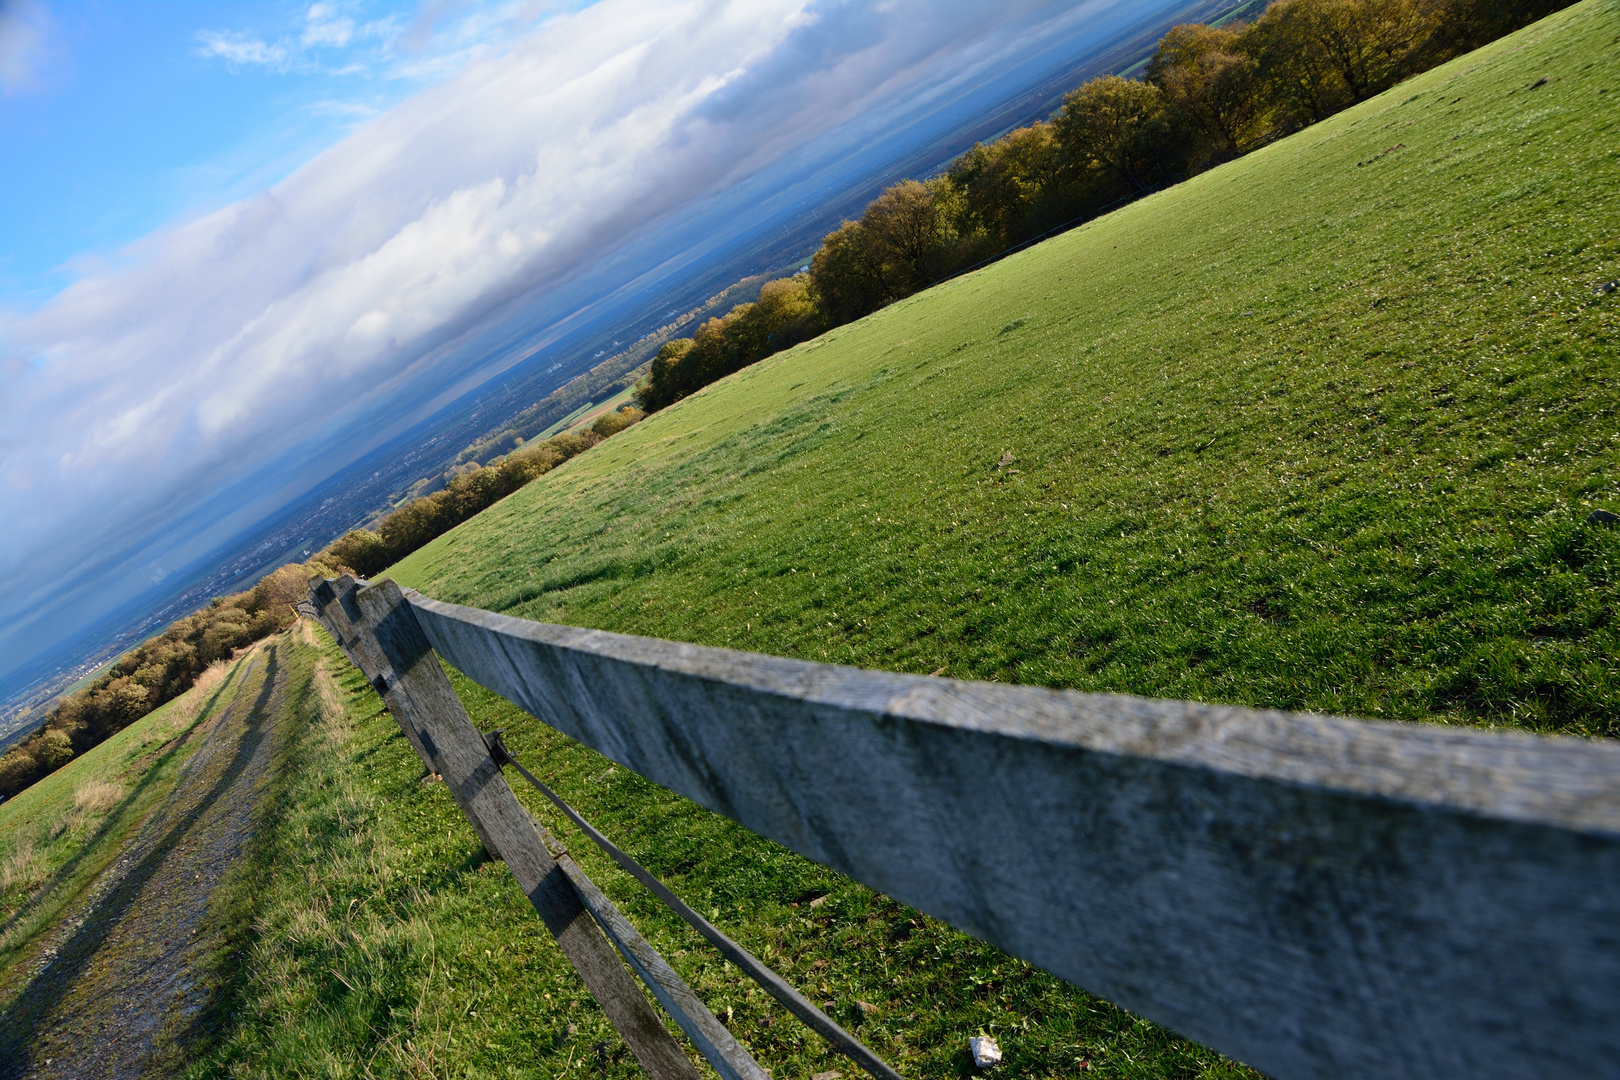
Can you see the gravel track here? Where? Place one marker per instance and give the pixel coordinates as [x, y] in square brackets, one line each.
[115, 996]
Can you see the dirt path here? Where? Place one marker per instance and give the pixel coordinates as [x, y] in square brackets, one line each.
[115, 995]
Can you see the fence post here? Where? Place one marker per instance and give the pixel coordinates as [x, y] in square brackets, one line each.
[333, 601]
[341, 616]
[378, 632]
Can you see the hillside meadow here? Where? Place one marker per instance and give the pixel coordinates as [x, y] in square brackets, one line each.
[1322, 428]
[1319, 429]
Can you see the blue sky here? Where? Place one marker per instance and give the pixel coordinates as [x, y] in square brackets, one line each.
[117, 116]
[211, 213]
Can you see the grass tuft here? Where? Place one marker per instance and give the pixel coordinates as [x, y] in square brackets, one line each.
[97, 797]
[21, 869]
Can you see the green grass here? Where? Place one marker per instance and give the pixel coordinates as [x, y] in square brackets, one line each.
[382, 942]
[57, 836]
[1317, 430]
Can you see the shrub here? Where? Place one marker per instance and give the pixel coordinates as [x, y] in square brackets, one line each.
[55, 749]
[614, 422]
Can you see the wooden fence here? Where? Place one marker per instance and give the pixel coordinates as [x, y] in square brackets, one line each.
[1315, 896]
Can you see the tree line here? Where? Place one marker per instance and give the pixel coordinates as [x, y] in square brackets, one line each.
[1208, 94]
[367, 551]
[163, 668]
[618, 372]
[155, 672]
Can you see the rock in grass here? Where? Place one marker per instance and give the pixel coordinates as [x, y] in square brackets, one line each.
[830, 1074]
[1604, 518]
[985, 1051]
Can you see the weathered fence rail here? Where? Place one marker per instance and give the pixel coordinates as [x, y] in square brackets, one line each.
[1319, 897]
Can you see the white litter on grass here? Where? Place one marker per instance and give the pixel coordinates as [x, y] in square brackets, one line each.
[985, 1051]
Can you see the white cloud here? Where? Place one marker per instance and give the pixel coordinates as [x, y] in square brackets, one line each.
[25, 36]
[241, 49]
[329, 38]
[324, 26]
[265, 333]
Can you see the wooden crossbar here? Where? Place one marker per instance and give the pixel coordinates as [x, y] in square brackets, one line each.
[1316, 896]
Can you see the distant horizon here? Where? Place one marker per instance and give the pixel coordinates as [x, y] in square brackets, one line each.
[153, 414]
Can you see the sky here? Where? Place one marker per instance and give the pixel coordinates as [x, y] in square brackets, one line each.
[211, 213]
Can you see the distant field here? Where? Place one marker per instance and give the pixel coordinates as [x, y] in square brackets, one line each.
[1318, 429]
[621, 398]
[586, 413]
[26, 727]
[565, 423]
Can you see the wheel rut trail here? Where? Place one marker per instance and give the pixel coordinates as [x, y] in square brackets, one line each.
[116, 995]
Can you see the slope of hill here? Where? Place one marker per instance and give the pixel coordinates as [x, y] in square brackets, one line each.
[1318, 429]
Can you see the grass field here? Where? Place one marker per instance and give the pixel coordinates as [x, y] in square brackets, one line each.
[60, 834]
[384, 943]
[1319, 429]
[621, 398]
[585, 414]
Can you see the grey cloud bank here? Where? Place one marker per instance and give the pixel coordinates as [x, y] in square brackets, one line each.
[151, 411]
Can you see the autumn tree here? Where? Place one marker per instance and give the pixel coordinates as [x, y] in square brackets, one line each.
[1119, 127]
[902, 227]
[784, 315]
[846, 275]
[657, 390]
[1008, 187]
[1207, 77]
[1318, 56]
[1454, 27]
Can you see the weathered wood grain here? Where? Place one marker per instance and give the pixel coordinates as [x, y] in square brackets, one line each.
[338, 610]
[1317, 896]
[416, 690]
